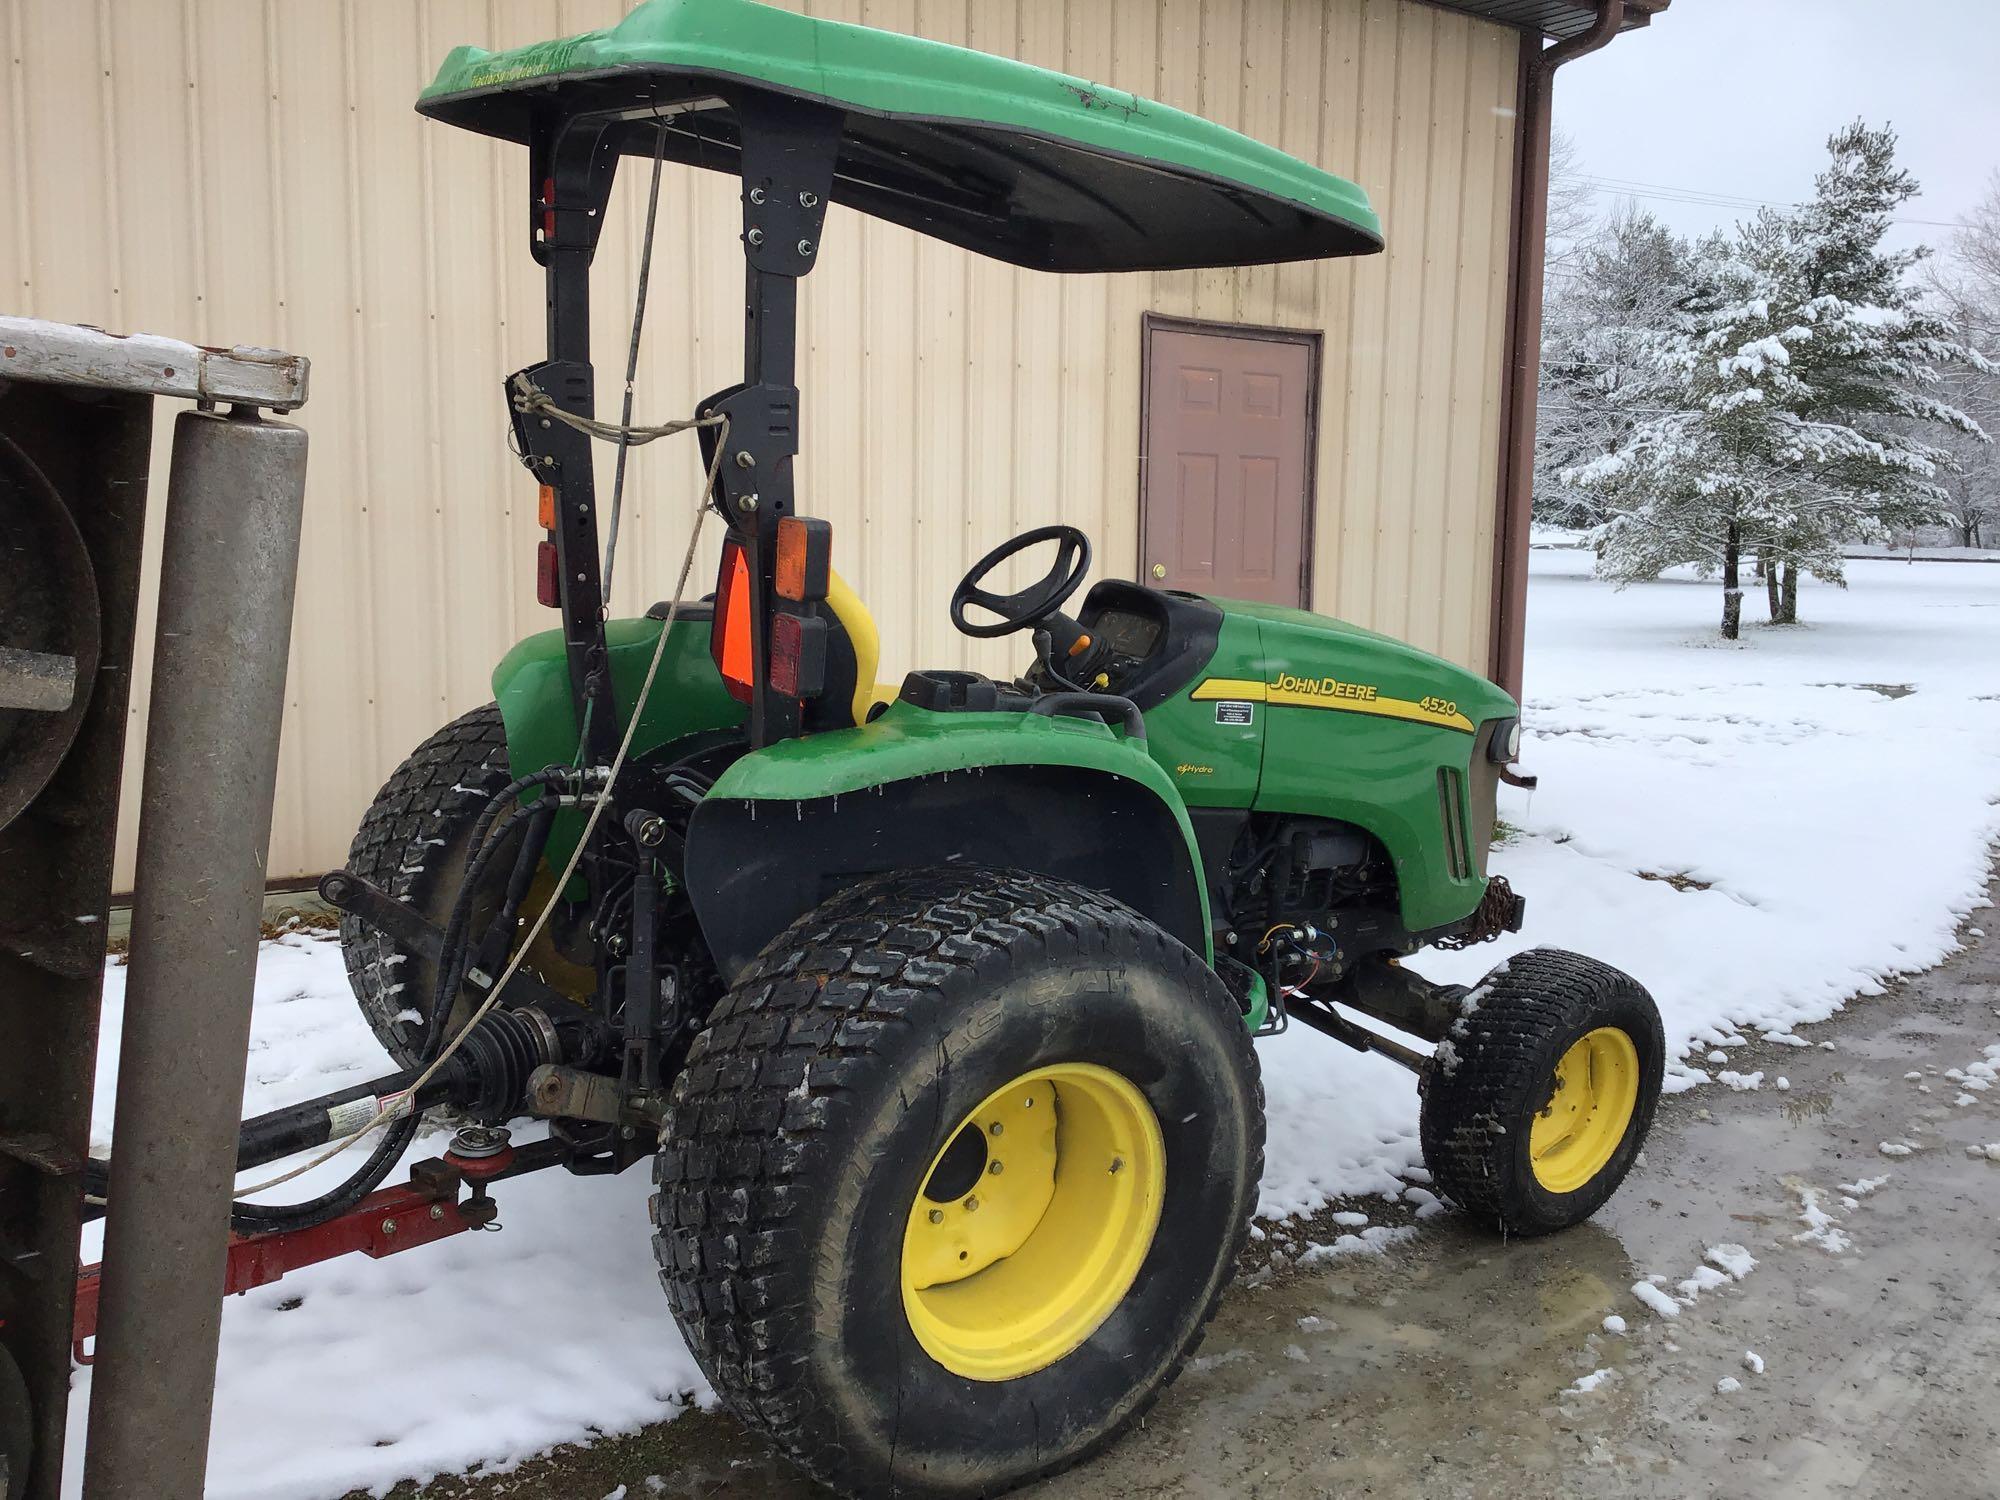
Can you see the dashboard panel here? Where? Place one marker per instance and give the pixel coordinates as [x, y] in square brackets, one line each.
[1147, 643]
[1126, 633]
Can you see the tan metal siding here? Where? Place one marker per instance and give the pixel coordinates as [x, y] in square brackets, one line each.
[252, 172]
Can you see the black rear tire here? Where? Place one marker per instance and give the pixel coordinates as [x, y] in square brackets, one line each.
[413, 844]
[1497, 1071]
[824, 1089]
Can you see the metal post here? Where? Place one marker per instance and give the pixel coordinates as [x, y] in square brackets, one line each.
[231, 557]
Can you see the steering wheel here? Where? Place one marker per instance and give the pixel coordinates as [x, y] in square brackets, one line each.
[1033, 604]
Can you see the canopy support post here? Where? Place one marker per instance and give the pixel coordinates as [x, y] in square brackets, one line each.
[572, 163]
[788, 153]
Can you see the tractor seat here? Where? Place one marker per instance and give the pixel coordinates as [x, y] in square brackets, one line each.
[854, 650]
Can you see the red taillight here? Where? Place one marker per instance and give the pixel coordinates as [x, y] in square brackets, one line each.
[731, 643]
[547, 589]
[548, 208]
[798, 655]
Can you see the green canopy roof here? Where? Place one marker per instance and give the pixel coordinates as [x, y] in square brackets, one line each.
[1008, 160]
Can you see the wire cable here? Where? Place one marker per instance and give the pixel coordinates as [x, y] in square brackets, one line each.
[530, 400]
[256, 1218]
[401, 1106]
[632, 362]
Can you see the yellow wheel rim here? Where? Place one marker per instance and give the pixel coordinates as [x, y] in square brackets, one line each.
[1578, 1130]
[1032, 1222]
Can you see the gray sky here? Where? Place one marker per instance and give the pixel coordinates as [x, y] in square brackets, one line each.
[1737, 97]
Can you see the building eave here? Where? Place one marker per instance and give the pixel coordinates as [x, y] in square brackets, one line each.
[1553, 20]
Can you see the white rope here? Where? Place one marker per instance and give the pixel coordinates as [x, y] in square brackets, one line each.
[399, 1105]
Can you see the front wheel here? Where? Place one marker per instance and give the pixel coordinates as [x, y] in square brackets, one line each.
[1538, 1100]
[955, 1178]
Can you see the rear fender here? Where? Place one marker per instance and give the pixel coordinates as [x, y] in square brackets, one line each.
[787, 826]
[531, 685]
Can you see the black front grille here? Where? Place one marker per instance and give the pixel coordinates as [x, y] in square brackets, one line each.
[1457, 823]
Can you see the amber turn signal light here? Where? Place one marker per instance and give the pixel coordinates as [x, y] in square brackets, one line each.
[804, 559]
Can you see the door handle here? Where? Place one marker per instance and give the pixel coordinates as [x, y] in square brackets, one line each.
[1159, 570]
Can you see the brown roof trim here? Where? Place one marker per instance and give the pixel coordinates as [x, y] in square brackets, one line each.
[1555, 20]
[1515, 499]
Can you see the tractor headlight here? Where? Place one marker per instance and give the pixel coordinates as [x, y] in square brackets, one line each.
[1505, 746]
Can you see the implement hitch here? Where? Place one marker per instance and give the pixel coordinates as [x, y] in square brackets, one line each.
[427, 1208]
[488, 1076]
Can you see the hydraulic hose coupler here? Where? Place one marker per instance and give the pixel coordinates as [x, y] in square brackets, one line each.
[575, 785]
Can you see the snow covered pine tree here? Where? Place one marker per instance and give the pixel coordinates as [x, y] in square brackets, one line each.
[1788, 394]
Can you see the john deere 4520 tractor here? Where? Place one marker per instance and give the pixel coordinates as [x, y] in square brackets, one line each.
[932, 1006]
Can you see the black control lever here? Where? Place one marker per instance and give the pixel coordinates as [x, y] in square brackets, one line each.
[352, 893]
[1094, 705]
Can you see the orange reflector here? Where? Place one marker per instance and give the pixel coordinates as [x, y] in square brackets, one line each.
[545, 508]
[805, 550]
[731, 644]
[547, 591]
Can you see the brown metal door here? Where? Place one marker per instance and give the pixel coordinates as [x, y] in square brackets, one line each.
[1226, 473]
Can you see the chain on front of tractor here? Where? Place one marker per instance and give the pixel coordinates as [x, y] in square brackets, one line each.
[1499, 911]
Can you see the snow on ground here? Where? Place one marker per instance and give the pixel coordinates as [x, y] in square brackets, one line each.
[1824, 830]
[485, 1347]
[1927, 554]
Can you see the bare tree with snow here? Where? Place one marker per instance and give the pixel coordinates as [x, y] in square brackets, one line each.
[1624, 283]
[1572, 200]
[1965, 281]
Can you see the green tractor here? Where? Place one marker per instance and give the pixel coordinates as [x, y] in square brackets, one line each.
[932, 1005]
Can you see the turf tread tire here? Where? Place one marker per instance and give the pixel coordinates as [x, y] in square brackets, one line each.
[411, 844]
[756, 1116]
[1495, 1069]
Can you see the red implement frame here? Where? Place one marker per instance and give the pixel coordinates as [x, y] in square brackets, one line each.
[425, 1209]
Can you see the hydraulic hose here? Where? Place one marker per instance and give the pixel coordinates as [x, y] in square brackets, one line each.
[455, 956]
[264, 1218]
[254, 1218]
[609, 775]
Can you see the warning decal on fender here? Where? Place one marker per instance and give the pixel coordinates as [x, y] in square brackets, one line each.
[1235, 711]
